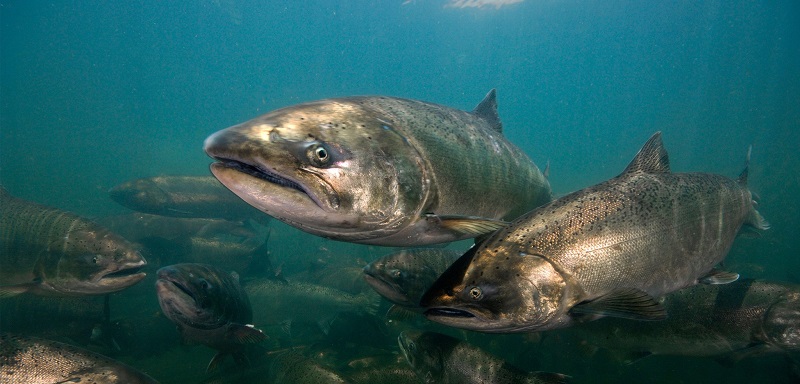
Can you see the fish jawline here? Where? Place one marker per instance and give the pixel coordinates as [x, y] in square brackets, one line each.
[387, 290]
[262, 192]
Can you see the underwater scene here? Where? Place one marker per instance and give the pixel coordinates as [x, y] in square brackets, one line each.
[418, 191]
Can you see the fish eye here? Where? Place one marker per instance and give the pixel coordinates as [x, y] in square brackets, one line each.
[204, 284]
[476, 293]
[94, 259]
[318, 155]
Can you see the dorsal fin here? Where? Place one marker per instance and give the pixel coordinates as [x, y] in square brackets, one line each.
[487, 110]
[652, 158]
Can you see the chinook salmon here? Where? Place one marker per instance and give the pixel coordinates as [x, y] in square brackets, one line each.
[47, 251]
[28, 360]
[380, 170]
[210, 307]
[605, 250]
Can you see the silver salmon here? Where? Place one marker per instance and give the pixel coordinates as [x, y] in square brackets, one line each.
[607, 250]
[380, 170]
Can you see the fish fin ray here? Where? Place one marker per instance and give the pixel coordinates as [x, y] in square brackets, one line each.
[628, 303]
[246, 334]
[652, 158]
[742, 180]
[7, 291]
[487, 110]
[717, 276]
[468, 225]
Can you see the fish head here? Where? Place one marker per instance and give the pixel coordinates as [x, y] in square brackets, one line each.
[387, 281]
[402, 277]
[201, 296]
[781, 325]
[142, 195]
[94, 262]
[499, 292]
[333, 168]
[425, 357]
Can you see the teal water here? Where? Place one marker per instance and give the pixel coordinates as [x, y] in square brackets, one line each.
[96, 93]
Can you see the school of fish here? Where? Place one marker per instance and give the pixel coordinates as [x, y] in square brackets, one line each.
[631, 267]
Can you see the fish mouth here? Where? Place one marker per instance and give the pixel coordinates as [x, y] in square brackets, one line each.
[448, 312]
[124, 277]
[175, 299]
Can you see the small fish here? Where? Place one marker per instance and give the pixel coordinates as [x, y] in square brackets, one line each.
[209, 307]
[47, 251]
[183, 196]
[737, 320]
[441, 359]
[607, 250]
[403, 277]
[380, 170]
[29, 360]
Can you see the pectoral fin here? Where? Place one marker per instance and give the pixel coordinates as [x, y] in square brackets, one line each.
[467, 225]
[716, 276]
[629, 303]
[245, 334]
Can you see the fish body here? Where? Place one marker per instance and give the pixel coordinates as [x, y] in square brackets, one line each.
[275, 302]
[746, 317]
[609, 249]
[380, 170]
[47, 251]
[209, 307]
[182, 196]
[403, 277]
[137, 226]
[29, 360]
[438, 358]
